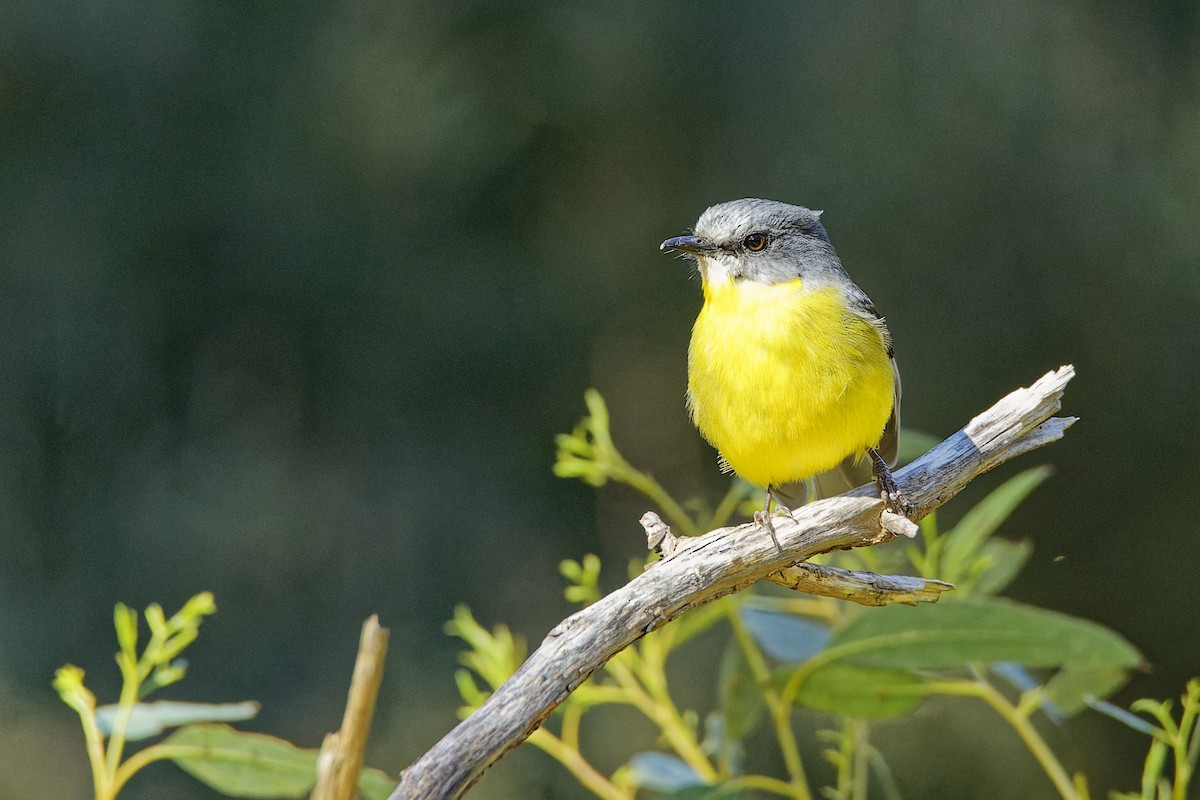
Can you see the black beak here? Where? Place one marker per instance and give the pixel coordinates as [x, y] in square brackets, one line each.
[687, 244]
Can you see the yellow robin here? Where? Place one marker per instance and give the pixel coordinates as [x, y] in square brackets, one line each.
[791, 374]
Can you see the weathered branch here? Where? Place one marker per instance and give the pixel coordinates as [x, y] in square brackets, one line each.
[864, 588]
[340, 760]
[719, 563]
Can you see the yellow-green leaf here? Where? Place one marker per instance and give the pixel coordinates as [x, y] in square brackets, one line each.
[866, 692]
[151, 719]
[741, 698]
[998, 563]
[783, 636]
[1091, 658]
[375, 784]
[961, 546]
[243, 764]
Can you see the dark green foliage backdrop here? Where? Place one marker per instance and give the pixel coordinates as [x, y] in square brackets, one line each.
[293, 298]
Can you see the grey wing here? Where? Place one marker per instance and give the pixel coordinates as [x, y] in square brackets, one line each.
[889, 445]
[862, 305]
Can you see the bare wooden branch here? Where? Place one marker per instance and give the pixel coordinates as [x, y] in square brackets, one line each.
[340, 760]
[716, 564]
[864, 588]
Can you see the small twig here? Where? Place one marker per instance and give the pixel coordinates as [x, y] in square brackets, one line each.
[864, 588]
[714, 565]
[342, 753]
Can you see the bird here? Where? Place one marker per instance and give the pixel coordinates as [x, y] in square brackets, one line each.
[792, 375]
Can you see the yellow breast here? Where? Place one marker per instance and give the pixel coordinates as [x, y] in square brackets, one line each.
[785, 381]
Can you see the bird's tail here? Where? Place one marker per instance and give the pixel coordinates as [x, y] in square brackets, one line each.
[853, 471]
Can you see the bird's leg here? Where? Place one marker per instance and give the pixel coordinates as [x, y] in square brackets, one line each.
[888, 490]
[780, 506]
[763, 518]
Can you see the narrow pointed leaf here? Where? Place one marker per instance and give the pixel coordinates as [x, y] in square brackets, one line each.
[243, 764]
[375, 784]
[1091, 658]
[1069, 689]
[1125, 717]
[741, 700]
[980, 629]
[151, 719]
[664, 773]
[962, 544]
[999, 562]
[865, 692]
[125, 619]
[784, 637]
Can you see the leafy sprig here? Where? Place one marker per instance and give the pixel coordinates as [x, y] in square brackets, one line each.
[860, 665]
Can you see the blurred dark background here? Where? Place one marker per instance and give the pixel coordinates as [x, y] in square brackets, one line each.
[293, 298]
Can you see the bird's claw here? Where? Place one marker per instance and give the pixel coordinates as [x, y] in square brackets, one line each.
[763, 518]
[889, 492]
[892, 497]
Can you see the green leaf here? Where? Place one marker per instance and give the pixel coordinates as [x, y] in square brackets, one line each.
[1125, 717]
[157, 620]
[375, 784]
[979, 629]
[1070, 689]
[175, 645]
[999, 562]
[703, 793]
[986, 630]
[864, 692]
[583, 579]
[68, 682]
[163, 675]
[195, 609]
[151, 719]
[243, 764]
[494, 655]
[741, 700]
[125, 620]
[1152, 772]
[662, 772]
[961, 545]
[782, 636]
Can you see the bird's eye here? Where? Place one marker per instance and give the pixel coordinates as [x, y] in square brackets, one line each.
[755, 242]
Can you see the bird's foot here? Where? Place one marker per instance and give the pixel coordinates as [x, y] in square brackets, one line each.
[892, 497]
[763, 518]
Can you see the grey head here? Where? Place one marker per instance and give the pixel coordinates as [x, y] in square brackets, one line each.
[761, 240]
